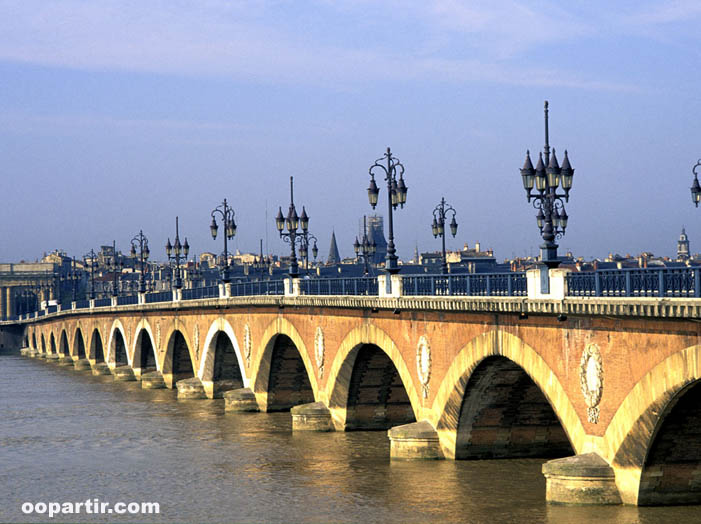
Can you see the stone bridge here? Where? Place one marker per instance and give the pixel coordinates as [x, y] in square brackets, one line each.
[612, 384]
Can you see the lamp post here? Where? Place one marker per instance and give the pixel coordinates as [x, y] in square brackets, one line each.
[440, 213]
[74, 279]
[292, 222]
[263, 263]
[396, 196]
[365, 249]
[305, 239]
[695, 187]
[174, 254]
[144, 253]
[552, 217]
[93, 265]
[227, 215]
[116, 268]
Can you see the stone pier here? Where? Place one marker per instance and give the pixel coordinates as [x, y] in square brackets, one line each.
[311, 417]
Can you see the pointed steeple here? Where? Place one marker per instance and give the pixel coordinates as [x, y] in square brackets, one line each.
[334, 256]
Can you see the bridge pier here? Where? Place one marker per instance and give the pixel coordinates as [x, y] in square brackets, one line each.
[240, 400]
[152, 380]
[81, 364]
[65, 360]
[124, 374]
[311, 417]
[190, 389]
[418, 440]
[101, 368]
[581, 479]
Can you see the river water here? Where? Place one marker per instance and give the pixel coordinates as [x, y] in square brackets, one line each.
[70, 436]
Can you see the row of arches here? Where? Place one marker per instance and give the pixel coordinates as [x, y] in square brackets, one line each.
[500, 412]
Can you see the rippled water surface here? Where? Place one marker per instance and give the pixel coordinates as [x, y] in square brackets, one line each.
[69, 436]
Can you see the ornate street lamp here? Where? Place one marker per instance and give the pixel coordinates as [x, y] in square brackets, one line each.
[144, 253]
[365, 249]
[440, 213]
[262, 262]
[93, 266]
[227, 215]
[396, 196]
[174, 252]
[552, 217]
[292, 222]
[115, 266]
[695, 187]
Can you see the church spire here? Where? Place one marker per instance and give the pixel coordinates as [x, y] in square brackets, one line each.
[334, 257]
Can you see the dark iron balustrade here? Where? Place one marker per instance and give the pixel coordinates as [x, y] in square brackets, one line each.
[647, 282]
[258, 287]
[127, 300]
[197, 293]
[339, 286]
[161, 296]
[473, 284]
[102, 302]
[81, 304]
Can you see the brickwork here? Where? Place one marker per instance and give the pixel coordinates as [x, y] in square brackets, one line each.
[646, 361]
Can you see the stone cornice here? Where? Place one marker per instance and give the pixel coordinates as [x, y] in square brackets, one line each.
[672, 308]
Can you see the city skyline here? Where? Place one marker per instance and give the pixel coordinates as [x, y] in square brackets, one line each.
[119, 116]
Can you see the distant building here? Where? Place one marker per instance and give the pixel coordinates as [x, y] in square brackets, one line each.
[376, 234]
[334, 256]
[683, 246]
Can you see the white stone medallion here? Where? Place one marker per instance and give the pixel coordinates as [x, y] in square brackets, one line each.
[423, 364]
[591, 380]
[319, 350]
[247, 344]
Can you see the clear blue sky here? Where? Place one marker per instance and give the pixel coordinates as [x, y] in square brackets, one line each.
[118, 115]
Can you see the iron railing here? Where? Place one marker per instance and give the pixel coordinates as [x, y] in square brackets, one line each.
[82, 304]
[258, 287]
[473, 284]
[102, 302]
[127, 300]
[339, 286]
[161, 296]
[647, 282]
[201, 292]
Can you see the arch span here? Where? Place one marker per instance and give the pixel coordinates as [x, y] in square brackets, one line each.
[63, 347]
[96, 351]
[143, 352]
[34, 341]
[52, 344]
[78, 344]
[222, 367]
[448, 403]
[338, 386]
[43, 343]
[631, 434]
[117, 346]
[178, 361]
[263, 368]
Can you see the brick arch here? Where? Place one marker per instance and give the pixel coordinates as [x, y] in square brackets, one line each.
[635, 424]
[43, 343]
[91, 347]
[63, 344]
[166, 365]
[341, 370]
[110, 356]
[76, 341]
[206, 369]
[53, 348]
[260, 370]
[447, 404]
[34, 340]
[142, 328]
